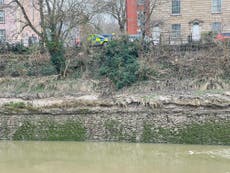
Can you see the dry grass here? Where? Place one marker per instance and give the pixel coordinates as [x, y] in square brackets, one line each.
[202, 69]
[44, 86]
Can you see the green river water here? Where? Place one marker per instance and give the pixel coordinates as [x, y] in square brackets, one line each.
[90, 157]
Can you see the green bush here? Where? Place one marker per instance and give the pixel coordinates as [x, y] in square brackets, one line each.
[16, 67]
[56, 50]
[118, 62]
[41, 69]
[18, 48]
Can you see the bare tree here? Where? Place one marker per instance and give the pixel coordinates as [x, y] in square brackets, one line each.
[146, 14]
[116, 8]
[58, 18]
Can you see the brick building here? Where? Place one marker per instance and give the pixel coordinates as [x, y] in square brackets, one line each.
[11, 22]
[177, 20]
[137, 12]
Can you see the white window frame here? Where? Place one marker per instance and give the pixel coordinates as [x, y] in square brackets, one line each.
[217, 27]
[216, 6]
[176, 7]
[2, 16]
[176, 31]
[140, 2]
[2, 34]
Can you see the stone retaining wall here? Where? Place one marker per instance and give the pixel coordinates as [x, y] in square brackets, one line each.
[134, 123]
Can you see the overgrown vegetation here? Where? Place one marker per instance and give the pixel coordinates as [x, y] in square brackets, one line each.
[57, 54]
[25, 65]
[124, 63]
[17, 48]
[58, 20]
[43, 87]
[119, 62]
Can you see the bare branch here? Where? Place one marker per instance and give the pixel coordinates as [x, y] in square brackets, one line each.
[29, 23]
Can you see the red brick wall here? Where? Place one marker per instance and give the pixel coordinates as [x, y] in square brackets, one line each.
[132, 17]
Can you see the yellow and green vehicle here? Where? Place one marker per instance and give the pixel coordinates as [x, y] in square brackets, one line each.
[97, 40]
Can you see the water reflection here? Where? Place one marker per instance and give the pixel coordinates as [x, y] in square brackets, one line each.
[72, 157]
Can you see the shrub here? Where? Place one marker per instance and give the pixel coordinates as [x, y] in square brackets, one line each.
[118, 62]
[56, 50]
[18, 48]
[28, 67]
[208, 37]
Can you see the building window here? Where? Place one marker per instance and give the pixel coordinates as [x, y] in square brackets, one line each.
[141, 2]
[2, 35]
[175, 6]
[216, 6]
[2, 16]
[176, 30]
[216, 27]
[1, 2]
[140, 18]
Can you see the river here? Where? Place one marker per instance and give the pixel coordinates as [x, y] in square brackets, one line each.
[90, 157]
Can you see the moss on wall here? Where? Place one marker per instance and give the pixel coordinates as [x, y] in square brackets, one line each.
[113, 130]
[116, 131]
[4, 130]
[51, 131]
[153, 134]
[206, 133]
[210, 132]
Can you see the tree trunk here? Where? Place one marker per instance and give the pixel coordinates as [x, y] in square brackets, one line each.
[122, 28]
